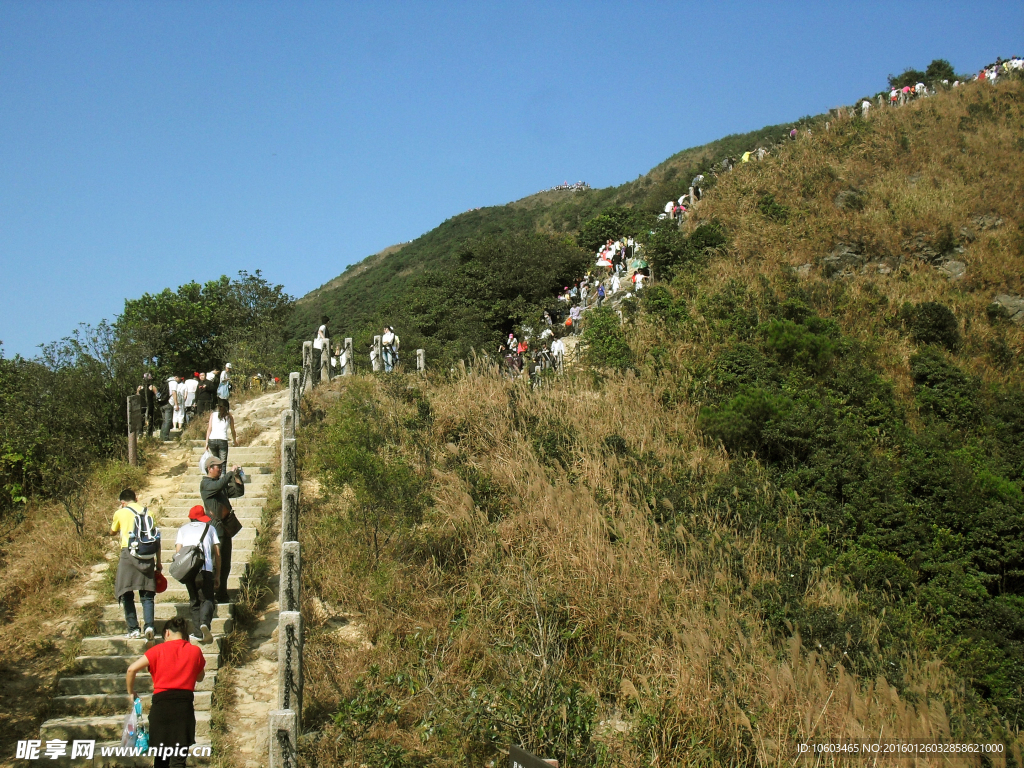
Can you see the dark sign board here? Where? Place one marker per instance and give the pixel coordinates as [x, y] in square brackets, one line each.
[520, 758]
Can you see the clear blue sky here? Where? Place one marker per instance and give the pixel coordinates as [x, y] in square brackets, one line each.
[147, 144]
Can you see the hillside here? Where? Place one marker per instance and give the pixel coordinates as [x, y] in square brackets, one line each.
[375, 290]
[783, 501]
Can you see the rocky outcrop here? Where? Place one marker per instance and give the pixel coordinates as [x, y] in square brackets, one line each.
[849, 259]
[1012, 305]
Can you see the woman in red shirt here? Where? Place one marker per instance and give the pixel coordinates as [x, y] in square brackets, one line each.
[176, 666]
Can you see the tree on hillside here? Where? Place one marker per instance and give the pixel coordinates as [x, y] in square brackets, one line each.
[613, 224]
[201, 325]
[937, 71]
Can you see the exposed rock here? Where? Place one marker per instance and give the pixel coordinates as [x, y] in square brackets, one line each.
[987, 221]
[1014, 306]
[955, 269]
[269, 650]
[851, 200]
[177, 469]
[803, 270]
[848, 259]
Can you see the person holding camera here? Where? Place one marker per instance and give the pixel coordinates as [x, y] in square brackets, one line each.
[217, 489]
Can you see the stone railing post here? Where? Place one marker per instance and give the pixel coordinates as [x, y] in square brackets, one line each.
[284, 738]
[291, 577]
[289, 513]
[307, 366]
[349, 358]
[287, 424]
[289, 475]
[325, 362]
[289, 661]
[692, 201]
[421, 360]
[377, 362]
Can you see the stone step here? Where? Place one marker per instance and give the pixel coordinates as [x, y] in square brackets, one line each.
[102, 727]
[178, 517]
[161, 612]
[176, 593]
[191, 496]
[107, 665]
[97, 703]
[113, 683]
[181, 506]
[247, 534]
[114, 645]
[115, 627]
[241, 550]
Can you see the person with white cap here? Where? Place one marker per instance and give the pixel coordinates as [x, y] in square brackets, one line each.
[224, 387]
[213, 489]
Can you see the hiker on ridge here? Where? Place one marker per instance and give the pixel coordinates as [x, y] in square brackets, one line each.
[136, 571]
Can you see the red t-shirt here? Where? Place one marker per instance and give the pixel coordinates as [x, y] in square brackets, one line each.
[175, 665]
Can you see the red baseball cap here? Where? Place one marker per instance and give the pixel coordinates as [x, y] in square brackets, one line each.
[198, 513]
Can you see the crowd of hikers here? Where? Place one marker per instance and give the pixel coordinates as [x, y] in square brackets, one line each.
[181, 399]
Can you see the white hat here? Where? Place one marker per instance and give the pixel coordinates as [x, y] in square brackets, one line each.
[226, 366]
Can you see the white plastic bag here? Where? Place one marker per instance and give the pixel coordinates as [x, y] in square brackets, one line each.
[202, 461]
[131, 725]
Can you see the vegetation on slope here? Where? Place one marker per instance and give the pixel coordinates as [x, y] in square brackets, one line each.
[797, 510]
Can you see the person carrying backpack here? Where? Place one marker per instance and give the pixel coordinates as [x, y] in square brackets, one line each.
[138, 564]
[199, 534]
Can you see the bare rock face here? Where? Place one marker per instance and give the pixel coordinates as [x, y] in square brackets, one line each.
[1013, 305]
[850, 259]
[942, 251]
[851, 200]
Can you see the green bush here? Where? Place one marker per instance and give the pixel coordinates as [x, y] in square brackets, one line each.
[605, 341]
[797, 344]
[613, 224]
[943, 389]
[931, 323]
[772, 210]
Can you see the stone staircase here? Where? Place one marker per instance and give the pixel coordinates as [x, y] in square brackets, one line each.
[92, 703]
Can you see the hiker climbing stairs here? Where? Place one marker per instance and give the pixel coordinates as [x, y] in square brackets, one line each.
[91, 704]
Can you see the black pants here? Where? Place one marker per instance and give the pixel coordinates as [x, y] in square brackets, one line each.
[225, 561]
[219, 448]
[201, 600]
[165, 427]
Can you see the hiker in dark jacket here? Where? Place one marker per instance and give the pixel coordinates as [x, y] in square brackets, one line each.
[213, 489]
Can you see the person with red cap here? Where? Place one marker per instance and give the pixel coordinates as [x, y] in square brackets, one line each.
[202, 587]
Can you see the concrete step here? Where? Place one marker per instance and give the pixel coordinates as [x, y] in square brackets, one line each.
[247, 534]
[112, 665]
[114, 645]
[161, 612]
[241, 551]
[117, 627]
[113, 683]
[102, 727]
[191, 496]
[176, 593]
[181, 506]
[178, 517]
[112, 703]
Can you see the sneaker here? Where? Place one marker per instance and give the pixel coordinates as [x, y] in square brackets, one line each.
[207, 634]
[195, 638]
[150, 633]
[133, 634]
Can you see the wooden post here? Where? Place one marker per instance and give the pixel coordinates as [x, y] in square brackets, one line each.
[421, 360]
[284, 738]
[134, 425]
[377, 362]
[325, 362]
[349, 365]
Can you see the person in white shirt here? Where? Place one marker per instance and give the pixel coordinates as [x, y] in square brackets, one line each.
[190, 386]
[615, 283]
[177, 389]
[389, 348]
[557, 353]
[225, 378]
[203, 586]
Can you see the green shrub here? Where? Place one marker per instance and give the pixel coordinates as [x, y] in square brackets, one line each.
[931, 323]
[943, 389]
[613, 224]
[772, 210]
[606, 345]
[797, 344]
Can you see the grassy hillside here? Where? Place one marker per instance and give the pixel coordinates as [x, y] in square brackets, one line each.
[378, 289]
[796, 511]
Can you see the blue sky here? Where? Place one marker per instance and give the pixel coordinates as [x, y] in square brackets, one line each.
[147, 144]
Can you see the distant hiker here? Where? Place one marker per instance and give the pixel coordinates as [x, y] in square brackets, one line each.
[557, 353]
[202, 586]
[669, 207]
[164, 401]
[321, 333]
[206, 393]
[175, 666]
[698, 184]
[761, 152]
[583, 295]
[224, 386]
[547, 318]
[389, 348]
[864, 107]
[745, 157]
[191, 386]
[177, 400]
[615, 283]
[340, 359]
[574, 315]
[138, 563]
[792, 134]
[600, 295]
[217, 430]
[147, 393]
[213, 489]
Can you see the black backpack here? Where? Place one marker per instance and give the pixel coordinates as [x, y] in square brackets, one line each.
[164, 396]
